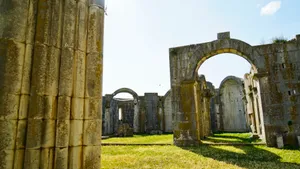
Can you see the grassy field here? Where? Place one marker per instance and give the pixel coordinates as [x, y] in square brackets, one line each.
[205, 156]
[168, 139]
[199, 157]
[142, 139]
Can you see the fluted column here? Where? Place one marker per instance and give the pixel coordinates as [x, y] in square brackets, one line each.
[51, 83]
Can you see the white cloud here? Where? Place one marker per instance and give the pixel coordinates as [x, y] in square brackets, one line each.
[271, 8]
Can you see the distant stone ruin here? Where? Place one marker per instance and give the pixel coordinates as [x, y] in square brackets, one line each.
[148, 114]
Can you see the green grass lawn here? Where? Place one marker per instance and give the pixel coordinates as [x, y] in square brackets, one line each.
[199, 157]
[142, 139]
[204, 156]
[168, 139]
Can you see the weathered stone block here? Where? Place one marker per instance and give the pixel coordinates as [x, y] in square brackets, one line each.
[77, 108]
[93, 107]
[34, 133]
[92, 132]
[279, 140]
[9, 106]
[11, 66]
[32, 159]
[95, 29]
[6, 159]
[79, 76]
[43, 23]
[52, 71]
[7, 134]
[46, 64]
[13, 14]
[75, 157]
[94, 69]
[81, 26]
[48, 137]
[39, 68]
[69, 24]
[64, 107]
[23, 109]
[66, 72]
[31, 21]
[42, 107]
[19, 159]
[25, 89]
[62, 133]
[92, 157]
[21, 134]
[50, 107]
[47, 158]
[76, 133]
[124, 130]
[56, 23]
[61, 158]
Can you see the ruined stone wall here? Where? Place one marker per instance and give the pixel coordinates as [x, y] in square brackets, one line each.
[252, 104]
[212, 107]
[275, 69]
[232, 105]
[168, 116]
[127, 108]
[51, 81]
[154, 113]
[151, 106]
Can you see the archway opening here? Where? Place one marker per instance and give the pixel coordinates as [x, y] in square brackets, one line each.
[234, 104]
[123, 96]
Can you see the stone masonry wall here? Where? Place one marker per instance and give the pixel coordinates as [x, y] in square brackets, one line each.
[275, 69]
[232, 105]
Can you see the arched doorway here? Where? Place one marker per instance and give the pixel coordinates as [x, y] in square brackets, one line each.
[119, 110]
[188, 99]
[232, 112]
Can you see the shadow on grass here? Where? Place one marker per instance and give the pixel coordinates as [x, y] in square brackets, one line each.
[238, 139]
[252, 157]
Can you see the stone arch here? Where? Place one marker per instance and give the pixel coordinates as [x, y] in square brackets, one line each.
[136, 118]
[126, 90]
[184, 64]
[234, 119]
[233, 46]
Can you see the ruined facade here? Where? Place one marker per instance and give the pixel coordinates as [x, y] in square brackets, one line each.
[275, 68]
[149, 114]
[227, 106]
[252, 107]
[50, 83]
[233, 117]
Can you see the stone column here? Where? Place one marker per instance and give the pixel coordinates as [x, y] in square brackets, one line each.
[136, 118]
[17, 29]
[51, 81]
[186, 127]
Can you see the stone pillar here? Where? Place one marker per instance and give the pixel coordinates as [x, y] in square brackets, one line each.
[50, 83]
[136, 118]
[17, 29]
[186, 127]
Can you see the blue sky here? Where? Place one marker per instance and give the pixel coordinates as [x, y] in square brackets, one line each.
[139, 33]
